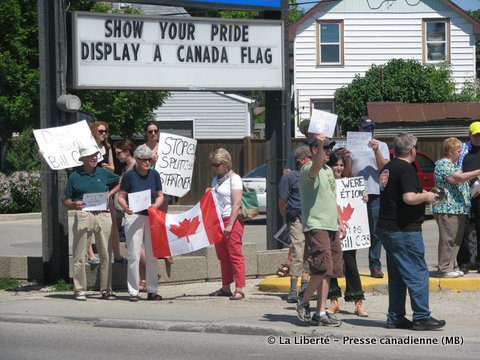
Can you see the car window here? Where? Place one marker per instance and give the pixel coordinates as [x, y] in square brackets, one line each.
[258, 172]
[427, 165]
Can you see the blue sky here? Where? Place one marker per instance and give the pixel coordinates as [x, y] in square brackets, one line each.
[464, 4]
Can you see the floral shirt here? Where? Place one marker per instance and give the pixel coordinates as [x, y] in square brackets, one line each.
[458, 195]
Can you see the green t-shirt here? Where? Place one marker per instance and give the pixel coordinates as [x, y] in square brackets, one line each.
[80, 182]
[319, 201]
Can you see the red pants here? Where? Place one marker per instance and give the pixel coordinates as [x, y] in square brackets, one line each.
[229, 252]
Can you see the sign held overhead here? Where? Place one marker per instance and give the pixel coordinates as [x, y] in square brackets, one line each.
[144, 52]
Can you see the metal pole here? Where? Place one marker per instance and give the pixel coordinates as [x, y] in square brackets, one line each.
[52, 50]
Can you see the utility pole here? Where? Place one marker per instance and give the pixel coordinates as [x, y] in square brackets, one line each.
[52, 54]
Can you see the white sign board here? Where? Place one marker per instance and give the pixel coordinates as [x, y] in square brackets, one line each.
[357, 142]
[353, 211]
[176, 158]
[322, 122]
[59, 145]
[139, 200]
[176, 53]
[95, 201]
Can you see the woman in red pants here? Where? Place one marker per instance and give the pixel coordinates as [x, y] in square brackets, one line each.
[228, 190]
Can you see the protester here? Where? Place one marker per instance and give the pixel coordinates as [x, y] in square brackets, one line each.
[354, 291]
[451, 215]
[99, 131]
[228, 190]
[137, 228]
[368, 167]
[291, 210]
[84, 180]
[320, 222]
[402, 212]
[469, 161]
[151, 136]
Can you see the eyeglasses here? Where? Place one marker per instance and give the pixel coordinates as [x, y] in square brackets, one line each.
[216, 165]
[369, 128]
[328, 147]
[145, 159]
[101, 131]
[152, 131]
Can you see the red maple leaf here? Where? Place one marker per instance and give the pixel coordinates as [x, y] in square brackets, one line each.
[346, 212]
[186, 227]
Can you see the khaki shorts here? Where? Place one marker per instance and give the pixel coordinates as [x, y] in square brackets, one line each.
[298, 265]
[323, 252]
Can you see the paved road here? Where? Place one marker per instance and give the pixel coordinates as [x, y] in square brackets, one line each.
[23, 237]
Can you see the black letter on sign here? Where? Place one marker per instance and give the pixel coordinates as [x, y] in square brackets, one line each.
[108, 27]
[84, 51]
[158, 55]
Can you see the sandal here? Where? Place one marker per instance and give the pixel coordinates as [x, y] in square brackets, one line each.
[237, 295]
[143, 286]
[221, 292]
[284, 270]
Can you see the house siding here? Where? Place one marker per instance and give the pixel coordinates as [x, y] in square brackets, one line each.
[215, 115]
[375, 37]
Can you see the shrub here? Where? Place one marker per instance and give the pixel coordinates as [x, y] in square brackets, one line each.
[5, 194]
[26, 192]
[22, 154]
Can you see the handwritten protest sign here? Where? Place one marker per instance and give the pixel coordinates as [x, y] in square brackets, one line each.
[95, 201]
[176, 158]
[322, 122]
[59, 145]
[139, 200]
[353, 210]
[357, 142]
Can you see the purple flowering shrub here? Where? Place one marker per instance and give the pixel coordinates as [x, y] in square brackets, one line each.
[22, 192]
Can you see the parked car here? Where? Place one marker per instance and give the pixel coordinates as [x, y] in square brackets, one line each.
[256, 180]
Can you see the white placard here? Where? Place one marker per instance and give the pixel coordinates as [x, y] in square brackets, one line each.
[176, 158]
[322, 122]
[176, 53]
[59, 145]
[95, 201]
[353, 210]
[357, 142]
[139, 200]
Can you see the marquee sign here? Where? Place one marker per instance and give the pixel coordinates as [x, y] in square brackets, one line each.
[172, 53]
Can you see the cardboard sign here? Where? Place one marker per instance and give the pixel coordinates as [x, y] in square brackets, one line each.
[323, 122]
[95, 201]
[139, 200]
[176, 158]
[357, 142]
[353, 211]
[59, 145]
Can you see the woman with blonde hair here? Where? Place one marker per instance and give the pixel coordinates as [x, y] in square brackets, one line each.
[451, 215]
[228, 187]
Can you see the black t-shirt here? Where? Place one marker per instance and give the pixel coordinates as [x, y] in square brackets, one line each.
[471, 161]
[399, 177]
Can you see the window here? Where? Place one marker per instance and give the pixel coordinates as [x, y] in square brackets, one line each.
[324, 105]
[330, 42]
[436, 40]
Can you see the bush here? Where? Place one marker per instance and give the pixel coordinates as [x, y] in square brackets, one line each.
[22, 153]
[20, 193]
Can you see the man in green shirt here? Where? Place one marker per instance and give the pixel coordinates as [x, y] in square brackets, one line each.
[89, 179]
[322, 227]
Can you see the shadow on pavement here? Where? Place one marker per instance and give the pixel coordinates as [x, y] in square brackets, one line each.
[364, 322]
[292, 319]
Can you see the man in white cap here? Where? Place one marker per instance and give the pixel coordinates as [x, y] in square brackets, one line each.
[88, 179]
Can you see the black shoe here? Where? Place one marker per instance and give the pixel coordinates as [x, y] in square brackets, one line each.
[428, 324]
[376, 273]
[153, 296]
[292, 297]
[404, 323]
[108, 296]
[464, 269]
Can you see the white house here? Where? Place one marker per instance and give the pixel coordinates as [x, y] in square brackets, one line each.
[336, 40]
[206, 115]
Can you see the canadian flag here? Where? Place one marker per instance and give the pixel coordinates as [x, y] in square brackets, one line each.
[177, 234]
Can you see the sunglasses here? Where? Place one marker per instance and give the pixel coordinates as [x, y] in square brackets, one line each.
[102, 131]
[145, 159]
[152, 131]
[216, 165]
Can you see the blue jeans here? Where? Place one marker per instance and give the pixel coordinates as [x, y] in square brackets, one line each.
[374, 252]
[407, 269]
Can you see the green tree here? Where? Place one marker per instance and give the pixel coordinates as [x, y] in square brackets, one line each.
[399, 80]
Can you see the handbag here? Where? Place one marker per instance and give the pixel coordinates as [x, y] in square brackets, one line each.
[249, 208]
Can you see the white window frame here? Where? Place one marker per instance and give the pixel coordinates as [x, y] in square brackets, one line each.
[340, 43]
[425, 42]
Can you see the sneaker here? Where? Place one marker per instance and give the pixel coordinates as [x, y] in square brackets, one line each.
[376, 273]
[460, 273]
[449, 275]
[360, 309]
[334, 306]
[292, 297]
[303, 311]
[428, 324]
[403, 323]
[153, 296]
[328, 319]
[80, 297]
[93, 261]
[108, 296]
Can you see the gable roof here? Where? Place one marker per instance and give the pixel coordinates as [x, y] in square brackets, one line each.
[321, 4]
